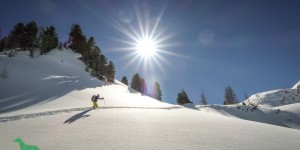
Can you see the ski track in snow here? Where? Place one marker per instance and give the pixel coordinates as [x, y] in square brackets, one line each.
[54, 112]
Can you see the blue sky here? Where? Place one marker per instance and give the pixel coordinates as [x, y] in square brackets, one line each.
[206, 45]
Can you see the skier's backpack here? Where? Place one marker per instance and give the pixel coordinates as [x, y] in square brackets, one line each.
[93, 98]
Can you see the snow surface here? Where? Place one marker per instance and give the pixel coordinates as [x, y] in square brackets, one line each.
[146, 129]
[292, 108]
[46, 102]
[287, 116]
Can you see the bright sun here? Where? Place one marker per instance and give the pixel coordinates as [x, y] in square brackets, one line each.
[146, 39]
[146, 47]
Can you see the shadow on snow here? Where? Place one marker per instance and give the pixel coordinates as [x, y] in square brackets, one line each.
[77, 116]
[43, 90]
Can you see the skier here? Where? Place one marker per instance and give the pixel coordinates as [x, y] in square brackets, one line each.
[95, 99]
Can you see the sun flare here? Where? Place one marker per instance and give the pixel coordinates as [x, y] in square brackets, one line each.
[146, 47]
[147, 41]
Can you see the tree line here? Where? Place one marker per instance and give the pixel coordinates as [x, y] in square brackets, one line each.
[27, 37]
[138, 83]
[229, 97]
[96, 62]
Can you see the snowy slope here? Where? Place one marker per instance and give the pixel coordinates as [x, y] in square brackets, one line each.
[146, 129]
[46, 102]
[277, 107]
[58, 81]
[292, 108]
[275, 98]
[285, 116]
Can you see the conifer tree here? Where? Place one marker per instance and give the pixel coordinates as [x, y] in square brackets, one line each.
[2, 44]
[182, 98]
[229, 96]
[30, 37]
[124, 80]
[16, 36]
[157, 94]
[136, 82]
[93, 56]
[90, 45]
[96, 51]
[77, 39]
[94, 61]
[23, 37]
[53, 37]
[95, 67]
[144, 89]
[203, 100]
[48, 40]
[102, 66]
[110, 72]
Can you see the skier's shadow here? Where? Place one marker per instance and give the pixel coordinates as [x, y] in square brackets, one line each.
[77, 116]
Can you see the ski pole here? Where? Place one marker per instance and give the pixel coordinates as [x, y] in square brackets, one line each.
[104, 102]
